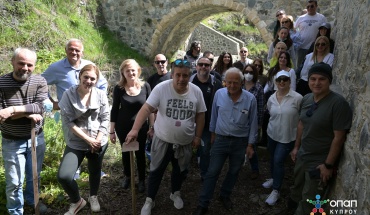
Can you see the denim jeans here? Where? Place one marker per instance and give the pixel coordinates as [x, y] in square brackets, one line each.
[17, 155]
[254, 160]
[224, 147]
[278, 154]
[71, 160]
[204, 151]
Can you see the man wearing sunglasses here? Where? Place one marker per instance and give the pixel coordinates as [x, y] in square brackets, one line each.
[160, 64]
[308, 25]
[208, 84]
[243, 53]
[180, 106]
[324, 121]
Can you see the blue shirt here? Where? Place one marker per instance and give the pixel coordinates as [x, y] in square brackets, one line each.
[64, 76]
[238, 119]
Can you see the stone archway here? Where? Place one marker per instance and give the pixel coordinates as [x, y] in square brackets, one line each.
[177, 25]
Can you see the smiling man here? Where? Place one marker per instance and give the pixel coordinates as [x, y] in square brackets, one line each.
[64, 73]
[21, 98]
[324, 121]
[308, 26]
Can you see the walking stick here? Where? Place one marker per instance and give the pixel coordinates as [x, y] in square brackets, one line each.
[132, 166]
[34, 169]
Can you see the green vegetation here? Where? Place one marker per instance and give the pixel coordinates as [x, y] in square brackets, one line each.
[46, 25]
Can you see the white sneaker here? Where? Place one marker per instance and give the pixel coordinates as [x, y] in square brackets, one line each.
[94, 203]
[177, 200]
[268, 183]
[76, 207]
[148, 206]
[273, 197]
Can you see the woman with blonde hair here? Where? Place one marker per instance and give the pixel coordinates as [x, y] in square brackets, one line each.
[129, 95]
[321, 53]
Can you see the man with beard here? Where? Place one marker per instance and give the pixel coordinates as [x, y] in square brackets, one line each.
[160, 63]
[208, 84]
[21, 99]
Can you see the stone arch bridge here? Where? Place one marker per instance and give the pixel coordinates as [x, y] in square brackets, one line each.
[162, 26]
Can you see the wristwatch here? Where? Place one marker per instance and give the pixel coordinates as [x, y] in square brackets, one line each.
[328, 166]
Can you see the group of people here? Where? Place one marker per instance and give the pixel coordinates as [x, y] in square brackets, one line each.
[220, 110]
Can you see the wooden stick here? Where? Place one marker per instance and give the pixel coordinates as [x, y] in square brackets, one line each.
[34, 170]
[132, 167]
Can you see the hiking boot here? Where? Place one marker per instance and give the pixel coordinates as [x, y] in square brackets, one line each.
[148, 206]
[74, 208]
[273, 197]
[94, 203]
[226, 202]
[141, 186]
[268, 183]
[177, 200]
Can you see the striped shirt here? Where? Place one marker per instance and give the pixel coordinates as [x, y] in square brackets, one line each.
[30, 94]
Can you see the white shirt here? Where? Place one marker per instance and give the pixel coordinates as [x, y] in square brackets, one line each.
[328, 59]
[284, 117]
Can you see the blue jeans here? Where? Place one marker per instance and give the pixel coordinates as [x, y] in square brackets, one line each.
[224, 147]
[254, 160]
[17, 155]
[204, 153]
[278, 154]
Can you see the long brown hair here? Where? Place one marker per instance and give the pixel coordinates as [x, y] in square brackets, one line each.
[90, 67]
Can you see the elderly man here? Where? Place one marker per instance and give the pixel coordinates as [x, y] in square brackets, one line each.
[208, 84]
[243, 53]
[64, 73]
[193, 54]
[180, 106]
[325, 119]
[308, 25]
[21, 99]
[160, 63]
[233, 127]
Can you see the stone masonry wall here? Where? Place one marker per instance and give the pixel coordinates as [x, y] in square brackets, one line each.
[213, 40]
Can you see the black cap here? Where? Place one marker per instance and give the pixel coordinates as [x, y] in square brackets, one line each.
[321, 69]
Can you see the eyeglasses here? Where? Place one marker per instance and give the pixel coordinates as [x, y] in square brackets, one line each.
[280, 14]
[257, 65]
[310, 6]
[182, 63]
[160, 61]
[242, 51]
[320, 44]
[284, 79]
[203, 64]
[211, 59]
[285, 22]
[314, 106]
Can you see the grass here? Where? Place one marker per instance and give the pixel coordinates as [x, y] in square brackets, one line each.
[46, 25]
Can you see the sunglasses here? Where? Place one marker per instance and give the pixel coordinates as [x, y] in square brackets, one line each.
[243, 51]
[285, 22]
[320, 44]
[203, 64]
[310, 112]
[211, 59]
[182, 63]
[280, 14]
[284, 79]
[310, 6]
[257, 65]
[160, 61]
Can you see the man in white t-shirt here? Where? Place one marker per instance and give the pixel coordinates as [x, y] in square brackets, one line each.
[243, 53]
[308, 25]
[180, 107]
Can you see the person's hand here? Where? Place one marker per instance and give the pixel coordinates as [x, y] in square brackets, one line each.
[196, 142]
[250, 151]
[35, 117]
[112, 137]
[6, 113]
[131, 136]
[150, 133]
[293, 154]
[325, 174]
[95, 144]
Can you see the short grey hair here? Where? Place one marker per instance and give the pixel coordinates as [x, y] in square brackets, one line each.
[18, 50]
[74, 40]
[234, 70]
